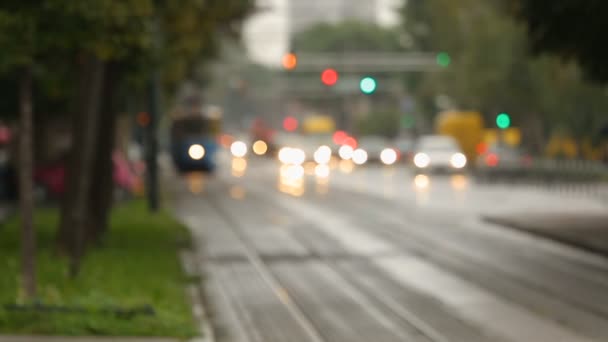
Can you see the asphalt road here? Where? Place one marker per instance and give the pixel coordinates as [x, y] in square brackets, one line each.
[378, 254]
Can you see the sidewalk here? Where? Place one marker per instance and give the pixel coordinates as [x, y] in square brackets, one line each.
[588, 231]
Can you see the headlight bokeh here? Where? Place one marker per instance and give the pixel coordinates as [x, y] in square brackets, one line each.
[293, 156]
[422, 160]
[322, 155]
[345, 152]
[359, 156]
[458, 160]
[388, 156]
[238, 149]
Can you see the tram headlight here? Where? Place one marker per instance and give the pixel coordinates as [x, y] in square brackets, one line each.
[196, 151]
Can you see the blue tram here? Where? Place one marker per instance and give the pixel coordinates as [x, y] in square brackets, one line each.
[194, 139]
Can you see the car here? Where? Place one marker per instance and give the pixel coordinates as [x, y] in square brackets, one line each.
[438, 153]
[503, 156]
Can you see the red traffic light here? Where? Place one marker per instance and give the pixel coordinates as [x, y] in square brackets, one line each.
[329, 77]
[290, 124]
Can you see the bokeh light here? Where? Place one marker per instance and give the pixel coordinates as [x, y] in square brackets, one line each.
[459, 182]
[196, 152]
[329, 77]
[238, 149]
[458, 160]
[260, 147]
[322, 155]
[239, 166]
[422, 182]
[346, 166]
[388, 156]
[289, 61]
[359, 156]
[322, 171]
[345, 152]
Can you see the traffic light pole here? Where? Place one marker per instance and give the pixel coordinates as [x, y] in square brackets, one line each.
[152, 142]
[152, 134]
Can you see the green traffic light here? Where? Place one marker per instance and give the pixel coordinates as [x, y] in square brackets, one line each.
[368, 85]
[444, 59]
[503, 121]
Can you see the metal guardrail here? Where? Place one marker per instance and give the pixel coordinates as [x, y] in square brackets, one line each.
[550, 171]
[573, 177]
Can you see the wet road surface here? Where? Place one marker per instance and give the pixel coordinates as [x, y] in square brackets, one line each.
[379, 254]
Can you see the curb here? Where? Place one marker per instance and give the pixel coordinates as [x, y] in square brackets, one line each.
[572, 243]
[196, 294]
[11, 338]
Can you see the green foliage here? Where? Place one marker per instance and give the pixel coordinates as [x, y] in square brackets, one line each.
[136, 35]
[138, 265]
[347, 36]
[492, 71]
[569, 28]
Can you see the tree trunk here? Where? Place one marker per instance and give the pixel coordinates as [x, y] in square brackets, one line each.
[26, 188]
[102, 190]
[75, 218]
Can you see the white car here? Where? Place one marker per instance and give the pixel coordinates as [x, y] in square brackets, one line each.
[438, 152]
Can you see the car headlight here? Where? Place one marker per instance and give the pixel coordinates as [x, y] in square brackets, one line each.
[238, 149]
[294, 156]
[458, 160]
[388, 156]
[322, 155]
[359, 156]
[196, 151]
[422, 160]
[346, 152]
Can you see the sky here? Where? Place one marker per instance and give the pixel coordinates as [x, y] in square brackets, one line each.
[266, 33]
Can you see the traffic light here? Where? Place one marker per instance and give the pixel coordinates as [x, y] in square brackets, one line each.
[290, 61]
[368, 85]
[329, 77]
[503, 121]
[444, 59]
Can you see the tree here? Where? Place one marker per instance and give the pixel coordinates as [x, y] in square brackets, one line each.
[492, 71]
[348, 36]
[85, 57]
[20, 56]
[571, 29]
